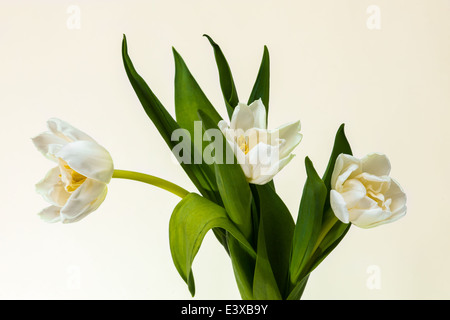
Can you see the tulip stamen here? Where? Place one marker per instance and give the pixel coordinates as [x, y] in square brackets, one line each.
[71, 178]
[243, 144]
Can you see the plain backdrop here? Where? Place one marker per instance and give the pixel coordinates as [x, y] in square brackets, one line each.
[385, 76]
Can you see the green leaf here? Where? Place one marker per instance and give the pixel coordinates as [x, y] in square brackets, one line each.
[243, 267]
[162, 120]
[189, 98]
[278, 229]
[332, 230]
[330, 242]
[191, 219]
[261, 87]
[231, 181]
[166, 125]
[341, 145]
[225, 77]
[335, 235]
[298, 289]
[309, 221]
[265, 286]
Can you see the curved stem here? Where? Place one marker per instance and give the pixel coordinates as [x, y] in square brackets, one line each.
[149, 179]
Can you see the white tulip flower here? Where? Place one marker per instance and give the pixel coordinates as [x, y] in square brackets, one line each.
[363, 193]
[78, 184]
[262, 153]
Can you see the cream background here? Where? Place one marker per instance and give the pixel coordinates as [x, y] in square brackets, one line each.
[390, 87]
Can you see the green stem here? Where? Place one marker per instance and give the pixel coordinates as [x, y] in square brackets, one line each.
[328, 224]
[155, 181]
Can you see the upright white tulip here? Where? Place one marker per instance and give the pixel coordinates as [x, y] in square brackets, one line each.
[363, 193]
[262, 153]
[78, 184]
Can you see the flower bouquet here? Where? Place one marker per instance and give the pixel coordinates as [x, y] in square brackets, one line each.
[232, 164]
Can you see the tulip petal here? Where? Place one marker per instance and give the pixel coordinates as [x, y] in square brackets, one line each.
[353, 192]
[50, 214]
[223, 126]
[52, 189]
[290, 133]
[398, 197]
[368, 218]
[377, 184]
[66, 131]
[89, 159]
[345, 167]
[242, 118]
[376, 164]
[84, 200]
[259, 114]
[339, 206]
[263, 175]
[48, 144]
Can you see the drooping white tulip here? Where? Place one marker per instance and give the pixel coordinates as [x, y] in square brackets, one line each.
[363, 193]
[262, 153]
[78, 184]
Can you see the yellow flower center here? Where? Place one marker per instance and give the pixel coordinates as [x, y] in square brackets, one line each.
[72, 179]
[242, 142]
[380, 200]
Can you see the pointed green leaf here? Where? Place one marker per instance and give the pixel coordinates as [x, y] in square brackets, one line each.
[298, 289]
[191, 219]
[265, 286]
[166, 125]
[261, 87]
[189, 98]
[335, 235]
[243, 267]
[341, 145]
[309, 221]
[332, 230]
[152, 106]
[278, 230]
[225, 77]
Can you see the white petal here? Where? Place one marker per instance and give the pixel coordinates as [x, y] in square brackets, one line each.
[377, 184]
[264, 155]
[290, 133]
[376, 163]
[259, 114]
[242, 118]
[52, 189]
[48, 144]
[353, 192]
[84, 200]
[345, 166]
[368, 218]
[50, 214]
[89, 159]
[267, 173]
[338, 206]
[365, 203]
[66, 131]
[289, 130]
[397, 214]
[398, 197]
[223, 126]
